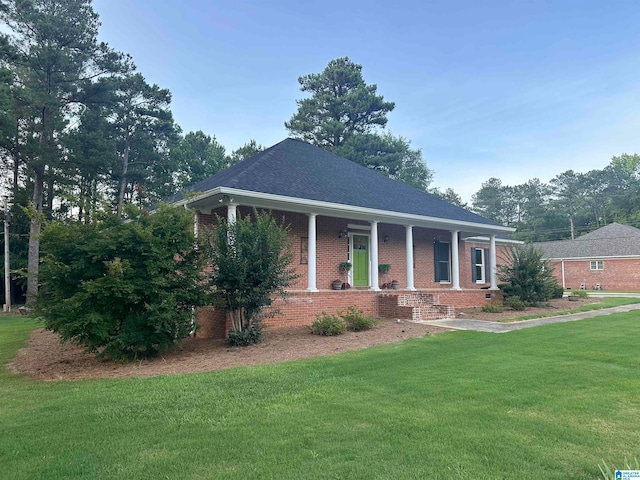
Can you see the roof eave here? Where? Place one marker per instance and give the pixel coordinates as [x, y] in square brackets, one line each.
[211, 198]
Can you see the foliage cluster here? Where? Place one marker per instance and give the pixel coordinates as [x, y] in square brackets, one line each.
[328, 325]
[122, 290]
[526, 275]
[353, 319]
[251, 261]
[579, 293]
[558, 291]
[515, 303]
[347, 116]
[572, 203]
[493, 306]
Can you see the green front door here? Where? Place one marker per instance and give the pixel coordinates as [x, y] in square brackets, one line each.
[360, 255]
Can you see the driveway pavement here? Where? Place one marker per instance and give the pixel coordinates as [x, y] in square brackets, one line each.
[499, 327]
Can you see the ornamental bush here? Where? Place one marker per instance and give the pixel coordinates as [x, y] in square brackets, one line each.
[250, 261]
[122, 290]
[516, 303]
[558, 291]
[356, 321]
[527, 275]
[328, 325]
[493, 306]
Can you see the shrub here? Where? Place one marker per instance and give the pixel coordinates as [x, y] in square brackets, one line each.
[122, 290]
[248, 336]
[580, 294]
[557, 291]
[355, 320]
[515, 303]
[493, 306]
[251, 259]
[328, 325]
[526, 274]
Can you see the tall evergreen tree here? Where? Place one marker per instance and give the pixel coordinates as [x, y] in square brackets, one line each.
[57, 59]
[346, 116]
[197, 156]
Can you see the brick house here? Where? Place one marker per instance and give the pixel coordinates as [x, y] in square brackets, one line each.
[442, 256]
[606, 259]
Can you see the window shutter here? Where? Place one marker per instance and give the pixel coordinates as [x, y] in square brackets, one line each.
[436, 261]
[474, 277]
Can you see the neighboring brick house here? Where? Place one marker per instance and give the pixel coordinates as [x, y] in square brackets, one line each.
[607, 259]
[339, 211]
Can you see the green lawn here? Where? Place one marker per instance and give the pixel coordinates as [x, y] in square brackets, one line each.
[605, 303]
[549, 402]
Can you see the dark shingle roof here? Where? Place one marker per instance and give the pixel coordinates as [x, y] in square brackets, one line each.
[613, 240]
[293, 168]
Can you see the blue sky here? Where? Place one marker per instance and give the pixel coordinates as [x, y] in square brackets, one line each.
[507, 89]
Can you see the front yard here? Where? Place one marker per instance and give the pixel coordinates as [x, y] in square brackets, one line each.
[548, 402]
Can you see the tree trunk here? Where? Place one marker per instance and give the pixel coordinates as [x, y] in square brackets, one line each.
[34, 235]
[573, 228]
[50, 193]
[123, 179]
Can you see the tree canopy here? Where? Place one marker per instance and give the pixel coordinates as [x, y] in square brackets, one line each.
[571, 203]
[347, 116]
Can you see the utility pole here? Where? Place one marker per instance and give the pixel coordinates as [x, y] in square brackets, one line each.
[7, 274]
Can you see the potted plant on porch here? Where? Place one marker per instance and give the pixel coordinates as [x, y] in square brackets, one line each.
[384, 268]
[344, 268]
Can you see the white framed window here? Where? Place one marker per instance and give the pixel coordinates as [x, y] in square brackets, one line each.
[478, 260]
[442, 262]
[597, 264]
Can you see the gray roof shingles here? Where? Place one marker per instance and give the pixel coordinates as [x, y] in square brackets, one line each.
[613, 240]
[293, 168]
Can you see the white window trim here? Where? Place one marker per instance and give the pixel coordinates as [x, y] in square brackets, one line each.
[483, 266]
[447, 282]
[596, 264]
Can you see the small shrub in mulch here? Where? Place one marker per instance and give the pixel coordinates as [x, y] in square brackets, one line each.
[328, 325]
[356, 321]
[514, 303]
[493, 306]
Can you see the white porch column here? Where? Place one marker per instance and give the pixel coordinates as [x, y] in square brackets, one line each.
[409, 248]
[492, 264]
[455, 261]
[311, 262]
[374, 256]
[231, 212]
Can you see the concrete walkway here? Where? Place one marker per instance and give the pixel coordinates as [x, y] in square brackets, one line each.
[499, 327]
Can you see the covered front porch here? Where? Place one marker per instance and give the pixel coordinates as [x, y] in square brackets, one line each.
[420, 252]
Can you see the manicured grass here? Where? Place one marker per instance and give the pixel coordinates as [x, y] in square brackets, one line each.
[605, 303]
[549, 402]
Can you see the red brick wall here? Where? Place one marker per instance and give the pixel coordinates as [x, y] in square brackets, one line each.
[618, 274]
[302, 307]
[212, 323]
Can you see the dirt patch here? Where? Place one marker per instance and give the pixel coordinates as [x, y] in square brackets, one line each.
[556, 306]
[46, 358]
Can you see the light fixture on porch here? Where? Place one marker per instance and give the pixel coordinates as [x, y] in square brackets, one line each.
[385, 239]
[343, 233]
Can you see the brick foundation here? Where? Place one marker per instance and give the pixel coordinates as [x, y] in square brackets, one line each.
[301, 307]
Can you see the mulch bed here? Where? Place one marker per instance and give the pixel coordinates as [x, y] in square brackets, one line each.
[45, 358]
